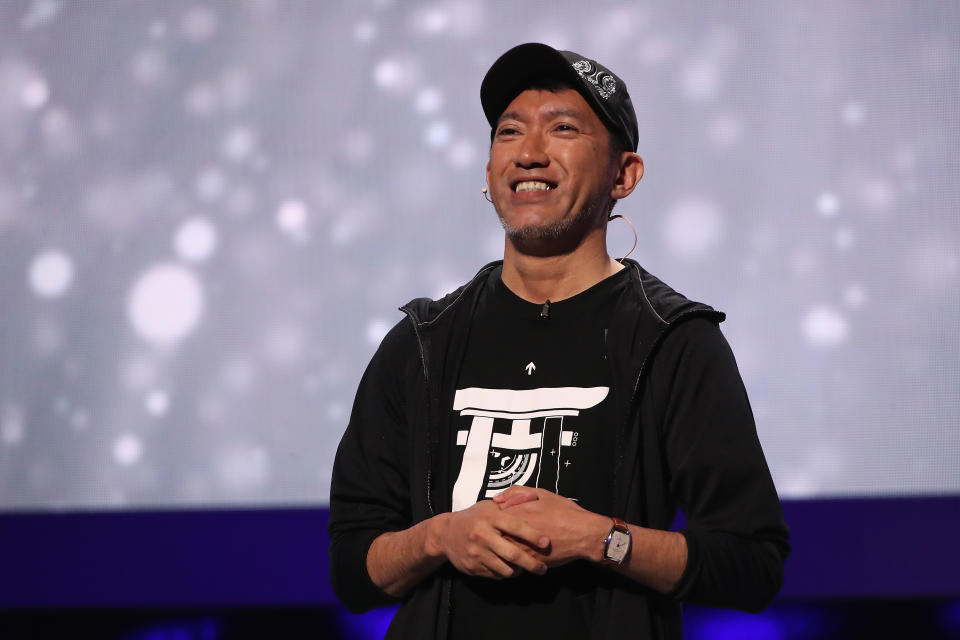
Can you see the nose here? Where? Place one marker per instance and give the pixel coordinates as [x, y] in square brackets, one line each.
[532, 151]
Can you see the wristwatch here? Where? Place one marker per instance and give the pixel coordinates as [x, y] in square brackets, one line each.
[616, 547]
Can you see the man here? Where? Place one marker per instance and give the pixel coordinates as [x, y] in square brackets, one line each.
[518, 449]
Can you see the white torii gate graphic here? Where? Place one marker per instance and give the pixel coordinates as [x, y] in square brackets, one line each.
[549, 403]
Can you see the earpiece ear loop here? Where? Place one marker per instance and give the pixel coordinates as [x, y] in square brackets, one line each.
[632, 228]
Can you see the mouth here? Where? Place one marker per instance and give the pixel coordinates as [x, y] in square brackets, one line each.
[525, 186]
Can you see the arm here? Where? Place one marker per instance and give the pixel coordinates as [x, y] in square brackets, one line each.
[731, 553]
[473, 540]
[735, 534]
[377, 552]
[657, 558]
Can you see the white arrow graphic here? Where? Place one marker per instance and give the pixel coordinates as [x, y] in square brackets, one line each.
[530, 368]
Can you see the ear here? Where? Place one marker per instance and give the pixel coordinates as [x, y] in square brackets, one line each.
[628, 175]
[487, 174]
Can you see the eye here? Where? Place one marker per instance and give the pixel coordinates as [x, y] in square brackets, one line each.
[506, 131]
[565, 126]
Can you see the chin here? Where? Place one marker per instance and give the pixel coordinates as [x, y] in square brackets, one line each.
[542, 240]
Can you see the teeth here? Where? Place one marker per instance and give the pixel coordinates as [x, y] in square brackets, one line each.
[532, 185]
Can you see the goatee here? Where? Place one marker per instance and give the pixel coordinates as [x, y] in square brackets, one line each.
[554, 238]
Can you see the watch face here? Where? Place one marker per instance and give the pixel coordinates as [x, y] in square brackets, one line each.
[619, 546]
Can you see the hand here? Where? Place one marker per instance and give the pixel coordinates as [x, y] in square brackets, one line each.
[483, 540]
[574, 532]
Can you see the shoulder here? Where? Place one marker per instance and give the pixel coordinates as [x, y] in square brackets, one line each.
[695, 359]
[698, 335]
[426, 311]
[664, 302]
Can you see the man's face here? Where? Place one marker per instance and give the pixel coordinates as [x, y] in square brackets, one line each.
[550, 172]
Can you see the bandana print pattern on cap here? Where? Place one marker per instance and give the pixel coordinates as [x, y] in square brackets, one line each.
[604, 82]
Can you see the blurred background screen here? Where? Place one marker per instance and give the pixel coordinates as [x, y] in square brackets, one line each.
[210, 212]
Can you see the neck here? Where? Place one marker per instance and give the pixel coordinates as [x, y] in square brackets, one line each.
[540, 278]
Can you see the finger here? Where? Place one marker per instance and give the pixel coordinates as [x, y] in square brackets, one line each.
[515, 495]
[521, 530]
[517, 557]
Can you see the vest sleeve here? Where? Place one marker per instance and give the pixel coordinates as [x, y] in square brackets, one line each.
[369, 490]
[736, 536]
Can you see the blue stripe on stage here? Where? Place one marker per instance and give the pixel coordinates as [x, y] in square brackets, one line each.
[851, 548]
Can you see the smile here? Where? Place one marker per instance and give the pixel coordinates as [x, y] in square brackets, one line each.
[533, 185]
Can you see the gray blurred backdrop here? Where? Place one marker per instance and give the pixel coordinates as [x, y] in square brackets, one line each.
[210, 211]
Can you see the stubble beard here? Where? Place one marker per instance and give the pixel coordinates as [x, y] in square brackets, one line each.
[559, 237]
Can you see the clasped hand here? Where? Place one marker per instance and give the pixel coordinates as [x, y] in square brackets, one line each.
[521, 529]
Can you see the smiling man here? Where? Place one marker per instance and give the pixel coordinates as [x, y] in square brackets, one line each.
[518, 450]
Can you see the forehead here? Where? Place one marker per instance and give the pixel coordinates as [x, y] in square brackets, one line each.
[539, 103]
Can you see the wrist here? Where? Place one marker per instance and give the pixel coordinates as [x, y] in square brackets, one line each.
[434, 529]
[593, 543]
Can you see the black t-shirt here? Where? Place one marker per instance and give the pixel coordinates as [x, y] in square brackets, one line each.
[533, 407]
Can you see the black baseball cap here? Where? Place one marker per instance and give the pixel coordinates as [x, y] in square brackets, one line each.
[533, 63]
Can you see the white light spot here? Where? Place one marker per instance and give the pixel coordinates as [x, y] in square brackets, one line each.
[157, 30]
[284, 344]
[238, 144]
[195, 240]
[311, 384]
[824, 326]
[798, 485]
[444, 287]
[291, 218]
[139, 373]
[437, 134]
[376, 331]
[463, 155]
[79, 420]
[804, 262]
[165, 304]
[656, 49]
[905, 160]
[336, 412]
[210, 184]
[236, 87]
[35, 93]
[387, 74]
[199, 23]
[201, 100]
[41, 12]
[51, 274]
[726, 131]
[357, 146]
[242, 468]
[700, 79]
[431, 20]
[11, 426]
[844, 238]
[827, 204]
[429, 100]
[60, 134]
[395, 75]
[157, 403]
[149, 67]
[364, 31]
[876, 194]
[693, 227]
[238, 375]
[127, 449]
[854, 296]
[61, 405]
[853, 114]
